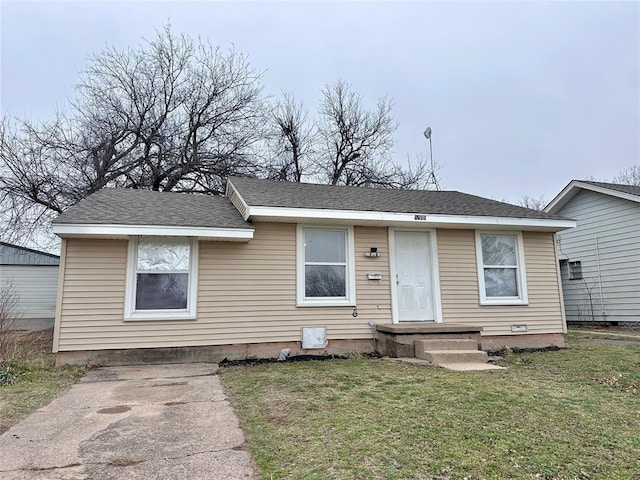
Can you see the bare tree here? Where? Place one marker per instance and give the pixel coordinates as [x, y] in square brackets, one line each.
[172, 114]
[293, 142]
[535, 203]
[348, 145]
[356, 143]
[629, 176]
[176, 114]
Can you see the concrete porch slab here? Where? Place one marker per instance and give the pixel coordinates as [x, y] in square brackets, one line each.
[407, 328]
[458, 367]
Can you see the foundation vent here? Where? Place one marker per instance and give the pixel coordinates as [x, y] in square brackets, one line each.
[314, 337]
[518, 328]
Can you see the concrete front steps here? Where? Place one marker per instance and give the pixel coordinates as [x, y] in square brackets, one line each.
[451, 346]
[448, 351]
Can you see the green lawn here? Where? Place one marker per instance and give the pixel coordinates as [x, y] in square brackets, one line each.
[571, 414]
[38, 380]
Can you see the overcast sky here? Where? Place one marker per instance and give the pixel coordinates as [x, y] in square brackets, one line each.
[521, 96]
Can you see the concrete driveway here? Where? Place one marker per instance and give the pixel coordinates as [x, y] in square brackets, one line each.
[142, 422]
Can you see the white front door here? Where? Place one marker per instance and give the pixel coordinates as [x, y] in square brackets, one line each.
[414, 292]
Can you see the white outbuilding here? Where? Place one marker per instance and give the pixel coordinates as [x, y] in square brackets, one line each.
[30, 278]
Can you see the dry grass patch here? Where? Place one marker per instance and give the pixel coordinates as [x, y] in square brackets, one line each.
[37, 379]
[571, 414]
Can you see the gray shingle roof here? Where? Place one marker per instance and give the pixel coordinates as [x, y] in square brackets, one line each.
[268, 193]
[630, 189]
[112, 206]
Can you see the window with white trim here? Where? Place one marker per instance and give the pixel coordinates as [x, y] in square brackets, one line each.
[325, 266]
[501, 270]
[161, 278]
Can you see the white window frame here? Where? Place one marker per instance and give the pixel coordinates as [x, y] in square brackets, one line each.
[521, 276]
[350, 271]
[189, 313]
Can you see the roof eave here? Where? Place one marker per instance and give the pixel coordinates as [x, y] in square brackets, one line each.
[575, 186]
[70, 230]
[306, 215]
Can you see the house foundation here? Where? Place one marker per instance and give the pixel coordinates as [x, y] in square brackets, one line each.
[393, 341]
[206, 353]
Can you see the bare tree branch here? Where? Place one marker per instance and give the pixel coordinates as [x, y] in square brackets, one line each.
[629, 176]
[172, 114]
[293, 141]
[535, 203]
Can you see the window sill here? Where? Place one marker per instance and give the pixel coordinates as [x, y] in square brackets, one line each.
[503, 301]
[168, 316]
[326, 303]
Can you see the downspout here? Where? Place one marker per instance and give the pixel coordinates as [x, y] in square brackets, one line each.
[599, 278]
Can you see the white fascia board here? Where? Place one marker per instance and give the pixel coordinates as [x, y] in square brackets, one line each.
[413, 219]
[575, 186]
[97, 230]
[231, 187]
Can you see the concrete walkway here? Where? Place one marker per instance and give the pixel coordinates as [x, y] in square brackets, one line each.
[142, 422]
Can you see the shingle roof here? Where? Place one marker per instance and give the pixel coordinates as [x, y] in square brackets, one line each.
[112, 206]
[630, 189]
[269, 193]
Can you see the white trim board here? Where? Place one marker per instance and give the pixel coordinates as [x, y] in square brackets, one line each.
[231, 190]
[124, 231]
[409, 220]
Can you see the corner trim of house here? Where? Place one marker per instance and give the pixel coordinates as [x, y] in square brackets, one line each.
[58, 318]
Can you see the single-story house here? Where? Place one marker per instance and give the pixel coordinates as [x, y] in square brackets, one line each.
[275, 265]
[29, 280]
[600, 258]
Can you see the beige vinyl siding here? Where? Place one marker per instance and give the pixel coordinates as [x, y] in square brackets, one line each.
[246, 294]
[459, 286]
[93, 289]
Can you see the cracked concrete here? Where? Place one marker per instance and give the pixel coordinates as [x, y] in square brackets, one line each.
[168, 421]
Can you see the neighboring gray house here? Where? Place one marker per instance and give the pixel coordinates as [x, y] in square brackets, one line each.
[34, 276]
[600, 258]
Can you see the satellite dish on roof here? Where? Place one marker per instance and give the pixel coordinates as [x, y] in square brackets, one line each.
[432, 173]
